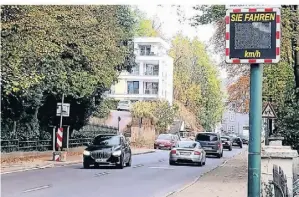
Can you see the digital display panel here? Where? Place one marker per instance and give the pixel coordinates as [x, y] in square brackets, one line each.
[253, 35]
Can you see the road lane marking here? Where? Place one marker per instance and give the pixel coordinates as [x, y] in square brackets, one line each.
[137, 166]
[102, 173]
[37, 188]
[161, 167]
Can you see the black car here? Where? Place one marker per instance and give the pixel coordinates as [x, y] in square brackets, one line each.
[108, 150]
[227, 142]
[211, 143]
[238, 142]
[245, 140]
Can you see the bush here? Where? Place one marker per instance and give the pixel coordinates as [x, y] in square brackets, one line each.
[159, 111]
[105, 107]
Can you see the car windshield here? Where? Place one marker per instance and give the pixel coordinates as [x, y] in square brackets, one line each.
[123, 102]
[108, 140]
[206, 137]
[164, 137]
[186, 144]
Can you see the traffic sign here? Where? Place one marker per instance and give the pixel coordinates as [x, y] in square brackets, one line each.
[65, 109]
[269, 112]
[252, 35]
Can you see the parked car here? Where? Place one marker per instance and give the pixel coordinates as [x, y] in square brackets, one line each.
[166, 141]
[211, 143]
[246, 141]
[108, 150]
[227, 142]
[238, 142]
[187, 152]
[124, 105]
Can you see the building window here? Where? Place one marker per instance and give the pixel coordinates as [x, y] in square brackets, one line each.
[231, 129]
[151, 87]
[152, 70]
[145, 50]
[231, 116]
[133, 87]
[135, 70]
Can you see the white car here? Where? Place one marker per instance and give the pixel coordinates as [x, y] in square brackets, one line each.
[124, 105]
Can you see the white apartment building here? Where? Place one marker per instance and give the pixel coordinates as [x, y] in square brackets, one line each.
[151, 78]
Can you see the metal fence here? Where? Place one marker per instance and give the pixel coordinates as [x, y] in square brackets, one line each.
[38, 145]
[280, 182]
[78, 138]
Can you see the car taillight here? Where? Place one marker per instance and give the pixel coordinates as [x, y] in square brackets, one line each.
[173, 151]
[197, 153]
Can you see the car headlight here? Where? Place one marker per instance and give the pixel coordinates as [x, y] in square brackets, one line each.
[87, 153]
[117, 153]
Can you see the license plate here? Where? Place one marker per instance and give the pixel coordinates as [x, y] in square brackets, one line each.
[185, 153]
[100, 160]
[208, 148]
[223, 143]
[161, 145]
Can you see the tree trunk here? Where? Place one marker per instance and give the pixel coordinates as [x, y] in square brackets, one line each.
[296, 52]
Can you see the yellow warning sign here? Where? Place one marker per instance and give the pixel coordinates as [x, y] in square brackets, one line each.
[252, 17]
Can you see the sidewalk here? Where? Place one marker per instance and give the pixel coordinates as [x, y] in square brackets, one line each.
[46, 162]
[229, 180]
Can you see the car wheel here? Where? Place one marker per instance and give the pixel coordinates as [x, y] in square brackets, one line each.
[172, 163]
[219, 155]
[241, 146]
[200, 163]
[130, 162]
[121, 163]
[230, 148]
[86, 165]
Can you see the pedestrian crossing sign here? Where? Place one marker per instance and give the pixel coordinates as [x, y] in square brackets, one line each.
[269, 112]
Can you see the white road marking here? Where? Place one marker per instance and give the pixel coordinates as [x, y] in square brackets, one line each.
[36, 188]
[102, 173]
[137, 166]
[161, 167]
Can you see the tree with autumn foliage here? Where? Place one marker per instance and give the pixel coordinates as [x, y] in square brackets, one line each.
[238, 93]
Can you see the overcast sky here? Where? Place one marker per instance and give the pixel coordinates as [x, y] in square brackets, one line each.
[171, 24]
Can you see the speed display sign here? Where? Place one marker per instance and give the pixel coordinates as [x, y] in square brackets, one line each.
[252, 35]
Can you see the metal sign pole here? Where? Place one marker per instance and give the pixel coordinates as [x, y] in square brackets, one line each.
[61, 111]
[255, 126]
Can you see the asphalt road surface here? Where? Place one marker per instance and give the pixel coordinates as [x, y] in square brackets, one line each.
[149, 176]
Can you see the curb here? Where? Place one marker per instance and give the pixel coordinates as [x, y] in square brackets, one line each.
[197, 178]
[53, 165]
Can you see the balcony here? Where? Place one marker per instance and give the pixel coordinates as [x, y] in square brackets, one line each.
[134, 91]
[151, 91]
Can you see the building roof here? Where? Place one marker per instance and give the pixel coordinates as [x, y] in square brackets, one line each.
[153, 40]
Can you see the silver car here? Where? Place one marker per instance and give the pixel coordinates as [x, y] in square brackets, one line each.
[124, 105]
[187, 152]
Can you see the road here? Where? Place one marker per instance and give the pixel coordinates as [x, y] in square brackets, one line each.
[149, 176]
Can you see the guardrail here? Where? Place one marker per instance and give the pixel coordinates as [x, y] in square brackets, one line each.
[16, 145]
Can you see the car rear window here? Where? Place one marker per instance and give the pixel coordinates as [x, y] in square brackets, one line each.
[206, 137]
[164, 137]
[225, 138]
[186, 144]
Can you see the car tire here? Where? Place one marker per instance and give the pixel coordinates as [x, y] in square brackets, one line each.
[121, 165]
[86, 165]
[218, 155]
[230, 148]
[200, 164]
[172, 163]
[130, 162]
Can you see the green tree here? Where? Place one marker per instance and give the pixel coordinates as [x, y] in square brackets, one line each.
[51, 50]
[196, 81]
[281, 81]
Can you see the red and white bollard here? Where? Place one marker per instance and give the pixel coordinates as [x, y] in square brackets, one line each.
[59, 142]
